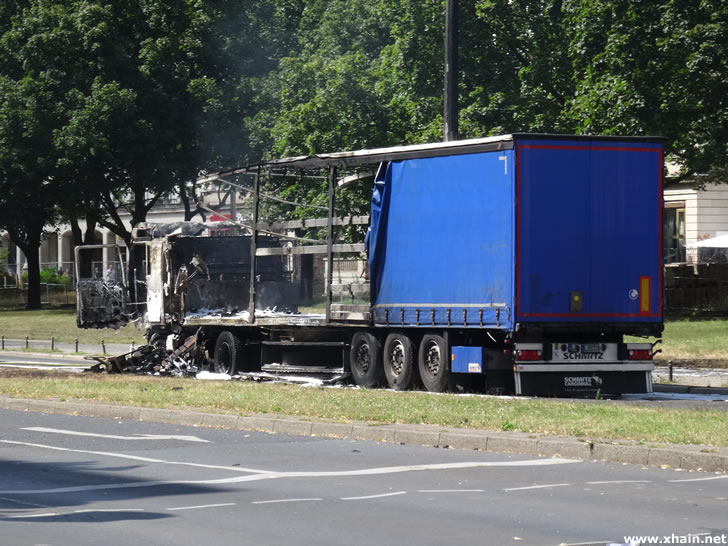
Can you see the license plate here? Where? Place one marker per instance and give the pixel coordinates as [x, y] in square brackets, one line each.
[584, 352]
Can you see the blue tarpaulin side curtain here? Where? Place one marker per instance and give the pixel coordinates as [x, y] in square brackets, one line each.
[376, 241]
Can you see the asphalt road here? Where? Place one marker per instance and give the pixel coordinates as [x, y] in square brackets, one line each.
[80, 480]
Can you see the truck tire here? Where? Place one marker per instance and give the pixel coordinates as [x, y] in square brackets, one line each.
[228, 353]
[365, 357]
[433, 363]
[399, 365]
[157, 339]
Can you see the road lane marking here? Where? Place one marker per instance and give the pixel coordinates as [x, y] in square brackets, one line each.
[609, 482]
[110, 510]
[254, 474]
[201, 506]
[138, 458]
[394, 494]
[49, 514]
[182, 438]
[537, 487]
[450, 490]
[700, 479]
[25, 503]
[285, 500]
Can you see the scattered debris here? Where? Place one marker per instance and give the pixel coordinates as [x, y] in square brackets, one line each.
[153, 360]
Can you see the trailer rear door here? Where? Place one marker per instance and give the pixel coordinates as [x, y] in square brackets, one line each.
[589, 223]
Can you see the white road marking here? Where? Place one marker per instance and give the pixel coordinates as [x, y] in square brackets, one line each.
[25, 503]
[111, 510]
[116, 437]
[200, 506]
[254, 474]
[137, 457]
[618, 482]
[49, 514]
[537, 487]
[450, 490]
[701, 479]
[285, 500]
[376, 496]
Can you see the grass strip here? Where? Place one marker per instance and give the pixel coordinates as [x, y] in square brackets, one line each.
[61, 325]
[602, 420]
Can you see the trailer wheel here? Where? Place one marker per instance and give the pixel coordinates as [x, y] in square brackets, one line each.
[228, 353]
[365, 360]
[434, 371]
[399, 367]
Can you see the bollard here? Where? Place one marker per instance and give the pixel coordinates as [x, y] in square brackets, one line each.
[3, 343]
[76, 344]
[103, 346]
[132, 346]
[669, 369]
[53, 343]
[26, 342]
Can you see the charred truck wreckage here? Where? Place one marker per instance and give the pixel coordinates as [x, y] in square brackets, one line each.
[504, 264]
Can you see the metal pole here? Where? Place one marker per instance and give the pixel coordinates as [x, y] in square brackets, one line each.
[450, 129]
[254, 245]
[330, 241]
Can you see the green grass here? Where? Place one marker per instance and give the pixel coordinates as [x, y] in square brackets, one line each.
[61, 324]
[685, 339]
[604, 420]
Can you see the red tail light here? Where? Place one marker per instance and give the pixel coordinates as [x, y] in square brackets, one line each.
[639, 354]
[529, 354]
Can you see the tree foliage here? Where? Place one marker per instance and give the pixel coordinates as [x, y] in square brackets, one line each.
[108, 106]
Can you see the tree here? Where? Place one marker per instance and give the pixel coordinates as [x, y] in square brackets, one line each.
[30, 110]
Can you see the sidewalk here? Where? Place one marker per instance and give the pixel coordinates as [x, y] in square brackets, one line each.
[691, 458]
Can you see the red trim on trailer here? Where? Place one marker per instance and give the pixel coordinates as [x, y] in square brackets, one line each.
[518, 231]
[661, 256]
[594, 315]
[519, 147]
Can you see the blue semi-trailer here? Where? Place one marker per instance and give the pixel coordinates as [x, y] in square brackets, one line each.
[516, 263]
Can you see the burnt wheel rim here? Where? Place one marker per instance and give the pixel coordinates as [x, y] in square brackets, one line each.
[362, 357]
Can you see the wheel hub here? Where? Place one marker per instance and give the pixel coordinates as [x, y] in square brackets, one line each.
[362, 357]
[397, 357]
[432, 359]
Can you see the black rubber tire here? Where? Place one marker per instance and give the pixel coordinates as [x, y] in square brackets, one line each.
[399, 362]
[158, 340]
[433, 363]
[365, 360]
[228, 353]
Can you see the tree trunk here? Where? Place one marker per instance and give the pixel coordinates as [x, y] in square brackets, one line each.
[31, 255]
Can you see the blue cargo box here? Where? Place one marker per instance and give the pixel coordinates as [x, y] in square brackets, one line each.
[544, 229]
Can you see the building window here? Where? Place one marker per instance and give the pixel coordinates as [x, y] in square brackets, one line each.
[674, 232]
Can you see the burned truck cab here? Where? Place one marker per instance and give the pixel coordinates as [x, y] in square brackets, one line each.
[176, 271]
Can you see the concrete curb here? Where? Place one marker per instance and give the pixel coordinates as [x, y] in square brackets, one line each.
[692, 458]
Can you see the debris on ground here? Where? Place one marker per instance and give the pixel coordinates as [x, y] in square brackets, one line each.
[153, 360]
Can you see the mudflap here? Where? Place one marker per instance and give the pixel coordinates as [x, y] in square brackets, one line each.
[582, 384]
